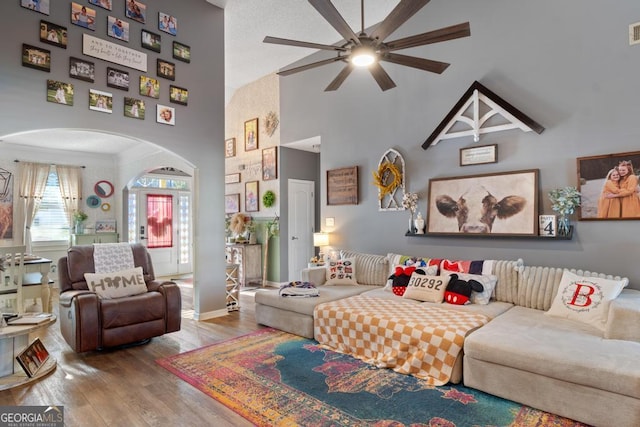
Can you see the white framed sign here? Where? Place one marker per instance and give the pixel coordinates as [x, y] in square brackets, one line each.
[548, 226]
[479, 155]
[113, 52]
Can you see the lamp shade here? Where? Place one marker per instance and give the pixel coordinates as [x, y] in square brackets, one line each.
[320, 239]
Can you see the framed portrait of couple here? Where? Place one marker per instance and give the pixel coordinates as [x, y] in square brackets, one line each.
[608, 185]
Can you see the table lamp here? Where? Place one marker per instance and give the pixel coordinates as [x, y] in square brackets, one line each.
[320, 240]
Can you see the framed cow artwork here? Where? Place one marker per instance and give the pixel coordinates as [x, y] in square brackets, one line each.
[498, 204]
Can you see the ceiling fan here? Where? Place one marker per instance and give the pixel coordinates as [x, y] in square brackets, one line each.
[368, 50]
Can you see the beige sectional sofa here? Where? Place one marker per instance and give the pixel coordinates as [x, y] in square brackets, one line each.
[557, 365]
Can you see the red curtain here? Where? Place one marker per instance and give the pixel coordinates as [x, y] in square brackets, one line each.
[160, 221]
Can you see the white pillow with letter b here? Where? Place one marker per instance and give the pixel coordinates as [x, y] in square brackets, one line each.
[585, 299]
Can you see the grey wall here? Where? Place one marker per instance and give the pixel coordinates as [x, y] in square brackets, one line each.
[568, 65]
[199, 132]
[295, 164]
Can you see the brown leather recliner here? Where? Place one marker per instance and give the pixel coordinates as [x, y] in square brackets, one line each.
[88, 322]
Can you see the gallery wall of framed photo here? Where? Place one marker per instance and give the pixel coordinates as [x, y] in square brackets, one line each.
[136, 53]
[252, 149]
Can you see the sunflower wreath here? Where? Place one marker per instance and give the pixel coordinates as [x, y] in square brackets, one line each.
[387, 178]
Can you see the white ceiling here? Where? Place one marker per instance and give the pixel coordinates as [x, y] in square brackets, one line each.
[247, 59]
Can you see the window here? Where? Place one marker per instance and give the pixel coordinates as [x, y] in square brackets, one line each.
[50, 222]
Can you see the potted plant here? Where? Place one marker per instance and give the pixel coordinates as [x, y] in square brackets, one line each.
[564, 201]
[79, 217]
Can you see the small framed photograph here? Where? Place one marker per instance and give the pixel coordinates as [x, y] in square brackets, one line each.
[59, 92]
[149, 87]
[136, 10]
[53, 34]
[105, 4]
[33, 357]
[83, 16]
[167, 23]
[479, 155]
[82, 69]
[106, 226]
[251, 134]
[36, 57]
[165, 115]
[117, 28]
[230, 148]
[100, 101]
[232, 178]
[547, 225]
[134, 108]
[269, 163]
[151, 41]
[181, 52]
[178, 95]
[41, 6]
[231, 203]
[251, 196]
[166, 69]
[608, 186]
[118, 79]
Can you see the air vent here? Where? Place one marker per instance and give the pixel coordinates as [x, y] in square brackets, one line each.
[634, 33]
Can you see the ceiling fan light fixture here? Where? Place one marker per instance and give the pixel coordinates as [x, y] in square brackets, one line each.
[363, 56]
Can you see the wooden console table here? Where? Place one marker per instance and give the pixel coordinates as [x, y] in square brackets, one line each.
[14, 339]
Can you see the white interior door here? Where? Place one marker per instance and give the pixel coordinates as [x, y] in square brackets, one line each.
[301, 219]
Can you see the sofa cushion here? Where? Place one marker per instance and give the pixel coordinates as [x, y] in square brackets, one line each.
[117, 284]
[417, 261]
[341, 272]
[370, 269]
[585, 299]
[528, 340]
[423, 287]
[305, 306]
[488, 282]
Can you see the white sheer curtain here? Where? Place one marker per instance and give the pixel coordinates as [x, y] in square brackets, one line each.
[70, 182]
[32, 181]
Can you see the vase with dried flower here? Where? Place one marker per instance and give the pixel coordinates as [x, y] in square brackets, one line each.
[410, 202]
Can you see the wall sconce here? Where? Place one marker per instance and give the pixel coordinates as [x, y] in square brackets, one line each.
[320, 240]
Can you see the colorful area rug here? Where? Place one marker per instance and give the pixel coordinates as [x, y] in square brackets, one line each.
[272, 378]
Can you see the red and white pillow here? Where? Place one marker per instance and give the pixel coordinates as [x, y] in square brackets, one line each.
[585, 299]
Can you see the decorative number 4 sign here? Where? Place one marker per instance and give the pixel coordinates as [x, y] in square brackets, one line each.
[547, 225]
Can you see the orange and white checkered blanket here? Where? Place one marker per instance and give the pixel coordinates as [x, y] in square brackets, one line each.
[417, 339]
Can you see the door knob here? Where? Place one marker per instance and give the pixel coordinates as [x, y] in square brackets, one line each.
[294, 238]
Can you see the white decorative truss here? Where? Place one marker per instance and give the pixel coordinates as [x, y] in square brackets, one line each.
[478, 112]
[393, 200]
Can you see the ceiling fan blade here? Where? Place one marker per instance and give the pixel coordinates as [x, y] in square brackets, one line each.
[340, 78]
[288, 42]
[309, 66]
[436, 36]
[412, 61]
[331, 14]
[381, 76]
[398, 16]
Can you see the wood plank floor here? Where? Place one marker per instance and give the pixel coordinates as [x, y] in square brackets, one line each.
[126, 387]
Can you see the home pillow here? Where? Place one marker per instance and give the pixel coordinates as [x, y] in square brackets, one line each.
[428, 288]
[488, 281]
[585, 299]
[467, 266]
[117, 284]
[399, 280]
[341, 272]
